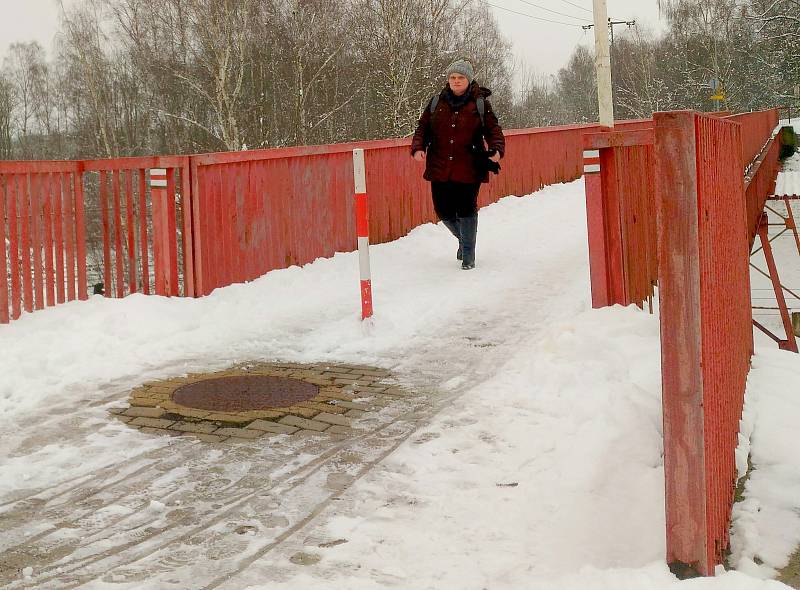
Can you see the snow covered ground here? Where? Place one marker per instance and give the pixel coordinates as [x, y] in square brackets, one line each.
[533, 462]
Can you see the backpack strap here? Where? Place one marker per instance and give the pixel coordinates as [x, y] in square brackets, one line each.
[480, 103]
[434, 102]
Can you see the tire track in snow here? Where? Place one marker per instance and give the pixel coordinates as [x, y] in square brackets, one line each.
[282, 487]
[425, 365]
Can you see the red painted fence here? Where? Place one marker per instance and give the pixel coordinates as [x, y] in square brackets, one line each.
[229, 217]
[146, 241]
[42, 236]
[760, 159]
[687, 172]
[621, 215]
[760, 183]
[706, 332]
[757, 128]
[252, 212]
[261, 210]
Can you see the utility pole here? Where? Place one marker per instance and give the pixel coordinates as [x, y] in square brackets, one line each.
[602, 62]
[611, 24]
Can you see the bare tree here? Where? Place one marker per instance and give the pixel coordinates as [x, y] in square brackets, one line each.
[7, 107]
[25, 68]
[89, 74]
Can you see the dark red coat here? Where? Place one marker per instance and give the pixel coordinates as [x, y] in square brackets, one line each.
[449, 133]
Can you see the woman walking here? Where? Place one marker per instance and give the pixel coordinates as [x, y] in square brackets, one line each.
[450, 140]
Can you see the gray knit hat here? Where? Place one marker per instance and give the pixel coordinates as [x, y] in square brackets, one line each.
[463, 67]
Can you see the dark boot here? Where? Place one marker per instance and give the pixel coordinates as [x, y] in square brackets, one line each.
[454, 226]
[469, 233]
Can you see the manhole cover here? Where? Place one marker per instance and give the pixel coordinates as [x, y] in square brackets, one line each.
[246, 392]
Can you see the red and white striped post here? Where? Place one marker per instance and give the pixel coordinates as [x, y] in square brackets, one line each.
[362, 230]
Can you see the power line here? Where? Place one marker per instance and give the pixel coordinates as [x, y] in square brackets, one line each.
[577, 6]
[539, 18]
[580, 18]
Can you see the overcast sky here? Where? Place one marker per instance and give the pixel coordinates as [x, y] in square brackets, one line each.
[546, 46]
[543, 46]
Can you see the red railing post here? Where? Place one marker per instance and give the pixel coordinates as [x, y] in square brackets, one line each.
[130, 226]
[681, 346]
[144, 255]
[187, 201]
[596, 229]
[104, 211]
[80, 233]
[199, 234]
[37, 239]
[4, 317]
[706, 331]
[14, 252]
[171, 236]
[161, 237]
[24, 193]
[69, 233]
[47, 240]
[119, 253]
[614, 230]
[362, 227]
[621, 232]
[58, 235]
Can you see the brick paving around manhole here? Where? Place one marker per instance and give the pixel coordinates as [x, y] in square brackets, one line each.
[346, 393]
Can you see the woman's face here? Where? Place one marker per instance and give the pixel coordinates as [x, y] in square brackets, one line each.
[458, 83]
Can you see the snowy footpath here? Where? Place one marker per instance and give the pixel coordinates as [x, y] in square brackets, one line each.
[531, 458]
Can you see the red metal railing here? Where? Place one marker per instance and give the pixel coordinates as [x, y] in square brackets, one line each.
[706, 333]
[760, 184]
[757, 128]
[726, 316]
[42, 236]
[535, 158]
[141, 237]
[621, 215]
[232, 217]
[268, 209]
[692, 181]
